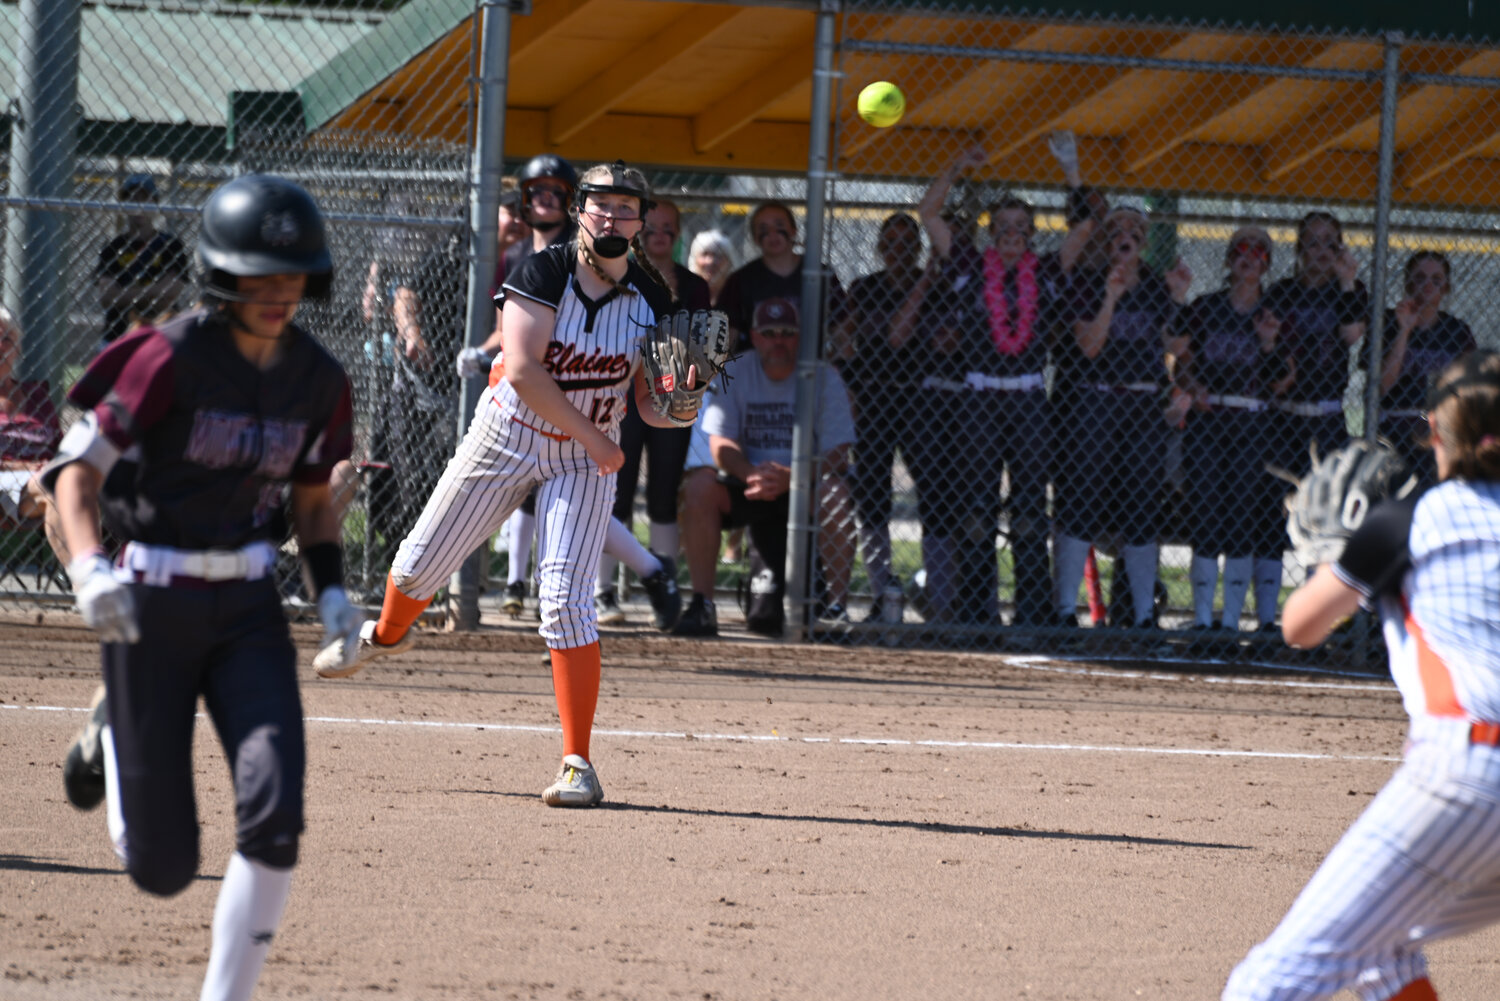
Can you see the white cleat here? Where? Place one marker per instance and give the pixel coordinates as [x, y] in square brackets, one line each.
[344, 657]
[576, 785]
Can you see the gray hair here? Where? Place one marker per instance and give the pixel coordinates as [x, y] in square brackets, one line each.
[713, 241]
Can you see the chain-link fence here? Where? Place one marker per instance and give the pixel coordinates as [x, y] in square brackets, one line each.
[1125, 269]
[1090, 285]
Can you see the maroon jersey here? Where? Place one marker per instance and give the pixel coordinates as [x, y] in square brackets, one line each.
[208, 441]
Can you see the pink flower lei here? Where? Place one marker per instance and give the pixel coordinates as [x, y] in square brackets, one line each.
[1006, 340]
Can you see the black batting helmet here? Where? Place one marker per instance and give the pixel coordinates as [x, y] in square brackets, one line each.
[260, 224]
[548, 165]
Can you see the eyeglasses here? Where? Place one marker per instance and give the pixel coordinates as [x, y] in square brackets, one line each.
[777, 333]
[618, 215]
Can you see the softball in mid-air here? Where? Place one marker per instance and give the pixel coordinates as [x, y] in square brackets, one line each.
[882, 104]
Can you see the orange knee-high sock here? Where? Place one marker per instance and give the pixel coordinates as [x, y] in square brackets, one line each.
[397, 613]
[575, 679]
[1417, 990]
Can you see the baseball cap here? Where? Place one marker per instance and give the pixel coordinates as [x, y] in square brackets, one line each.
[775, 314]
[137, 186]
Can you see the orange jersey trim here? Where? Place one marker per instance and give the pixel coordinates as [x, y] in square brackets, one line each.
[1437, 680]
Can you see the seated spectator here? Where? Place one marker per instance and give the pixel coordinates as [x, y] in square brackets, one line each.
[1233, 366]
[712, 259]
[749, 427]
[142, 272]
[29, 431]
[1421, 340]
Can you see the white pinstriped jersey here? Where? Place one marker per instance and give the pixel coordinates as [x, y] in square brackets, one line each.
[596, 344]
[1442, 623]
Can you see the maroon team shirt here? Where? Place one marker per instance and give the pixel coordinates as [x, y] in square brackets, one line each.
[209, 442]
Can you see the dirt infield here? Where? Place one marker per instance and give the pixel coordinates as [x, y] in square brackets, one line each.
[783, 822]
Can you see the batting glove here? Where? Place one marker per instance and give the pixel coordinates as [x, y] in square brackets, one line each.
[105, 602]
[341, 622]
[473, 361]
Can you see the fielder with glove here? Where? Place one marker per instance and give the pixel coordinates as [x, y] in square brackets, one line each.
[1334, 499]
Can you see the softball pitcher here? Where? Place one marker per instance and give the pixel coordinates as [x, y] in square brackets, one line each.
[1423, 861]
[573, 319]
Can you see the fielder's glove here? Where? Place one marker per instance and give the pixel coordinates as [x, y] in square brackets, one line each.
[1335, 497]
[105, 602]
[679, 341]
[341, 622]
[473, 361]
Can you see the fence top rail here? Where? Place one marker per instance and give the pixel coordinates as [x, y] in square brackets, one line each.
[355, 218]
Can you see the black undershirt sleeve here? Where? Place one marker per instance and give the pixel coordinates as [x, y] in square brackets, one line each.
[1376, 556]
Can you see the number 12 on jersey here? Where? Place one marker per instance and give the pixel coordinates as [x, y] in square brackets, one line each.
[602, 410]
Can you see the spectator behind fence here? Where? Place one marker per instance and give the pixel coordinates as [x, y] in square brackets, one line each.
[749, 425]
[1421, 340]
[29, 432]
[776, 274]
[1233, 365]
[1008, 300]
[143, 271]
[1116, 435]
[430, 312]
[882, 383]
[712, 259]
[1322, 307]
[666, 447]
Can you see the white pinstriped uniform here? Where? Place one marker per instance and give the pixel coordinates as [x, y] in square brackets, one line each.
[1423, 861]
[508, 449]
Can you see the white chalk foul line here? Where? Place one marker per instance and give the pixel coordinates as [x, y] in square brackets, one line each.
[982, 745]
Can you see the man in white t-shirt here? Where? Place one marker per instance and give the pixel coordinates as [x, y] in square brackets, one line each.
[748, 425]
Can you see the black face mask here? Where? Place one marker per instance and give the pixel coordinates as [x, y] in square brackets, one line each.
[611, 245]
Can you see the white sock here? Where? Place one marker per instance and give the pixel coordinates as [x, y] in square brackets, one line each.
[251, 901]
[1237, 572]
[522, 530]
[1140, 564]
[621, 543]
[1267, 588]
[113, 815]
[1204, 576]
[609, 574]
[1070, 554]
[665, 539]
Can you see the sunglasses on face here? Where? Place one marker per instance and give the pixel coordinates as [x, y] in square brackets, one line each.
[777, 333]
[1248, 248]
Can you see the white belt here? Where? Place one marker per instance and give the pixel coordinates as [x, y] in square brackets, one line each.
[1322, 408]
[1129, 387]
[157, 565]
[933, 382]
[1237, 402]
[1414, 412]
[977, 380]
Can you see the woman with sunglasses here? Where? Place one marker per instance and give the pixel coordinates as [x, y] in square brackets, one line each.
[1232, 366]
[1421, 340]
[573, 320]
[666, 447]
[1422, 863]
[1124, 326]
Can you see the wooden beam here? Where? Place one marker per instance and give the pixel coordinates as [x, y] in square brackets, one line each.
[755, 93]
[1200, 99]
[547, 16]
[1462, 138]
[614, 84]
[1055, 91]
[662, 141]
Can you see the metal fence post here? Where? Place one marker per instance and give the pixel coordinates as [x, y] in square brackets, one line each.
[804, 459]
[1385, 171]
[487, 167]
[42, 141]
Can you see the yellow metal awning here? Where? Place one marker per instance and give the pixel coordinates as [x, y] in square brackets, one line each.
[723, 87]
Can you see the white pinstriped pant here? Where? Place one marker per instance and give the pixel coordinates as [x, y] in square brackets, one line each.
[1421, 863]
[496, 465]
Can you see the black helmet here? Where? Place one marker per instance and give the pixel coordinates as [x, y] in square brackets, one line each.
[259, 225]
[622, 181]
[548, 165]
